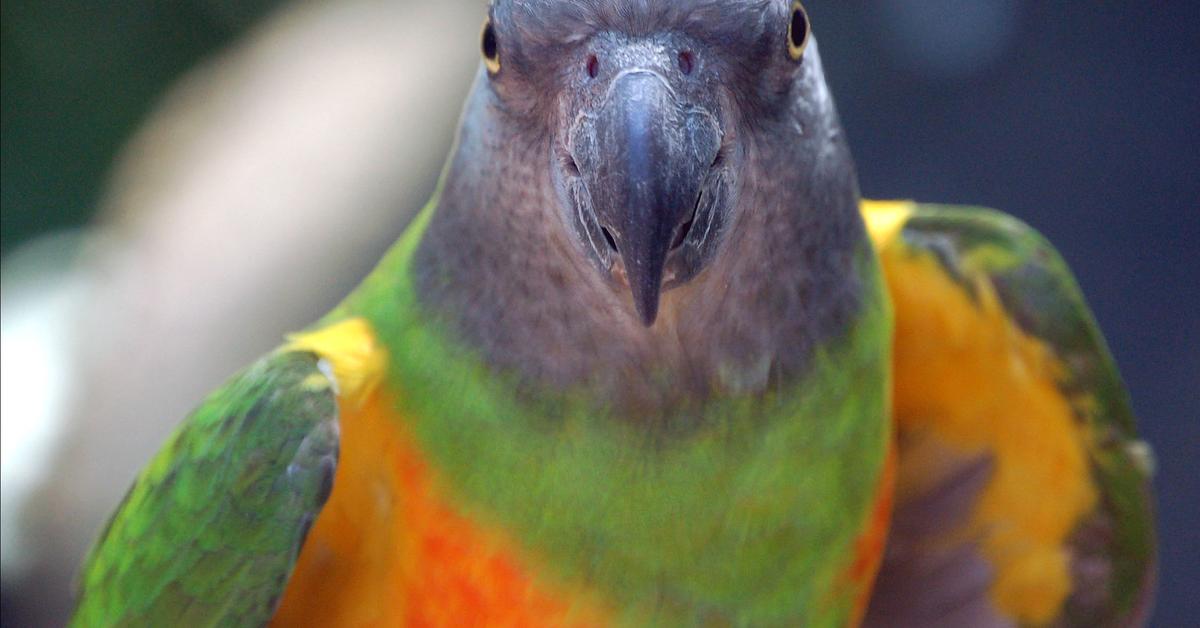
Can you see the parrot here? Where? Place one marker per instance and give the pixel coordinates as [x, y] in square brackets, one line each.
[647, 357]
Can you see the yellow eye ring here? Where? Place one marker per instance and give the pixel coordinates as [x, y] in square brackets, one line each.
[489, 47]
[798, 31]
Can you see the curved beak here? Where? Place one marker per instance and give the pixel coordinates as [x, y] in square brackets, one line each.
[644, 156]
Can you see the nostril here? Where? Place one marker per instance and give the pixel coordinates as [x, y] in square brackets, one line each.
[686, 227]
[571, 166]
[719, 159]
[593, 66]
[612, 244]
[682, 234]
[687, 61]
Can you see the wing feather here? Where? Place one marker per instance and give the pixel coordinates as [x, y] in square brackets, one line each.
[209, 532]
[999, 362]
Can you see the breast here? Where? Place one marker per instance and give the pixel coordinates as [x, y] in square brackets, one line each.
[390, 549]
[458, 500]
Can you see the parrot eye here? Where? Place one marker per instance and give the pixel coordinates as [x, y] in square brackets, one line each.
[491, 52]
[798, 29]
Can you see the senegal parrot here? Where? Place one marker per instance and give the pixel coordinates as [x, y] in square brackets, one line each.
[647, 358]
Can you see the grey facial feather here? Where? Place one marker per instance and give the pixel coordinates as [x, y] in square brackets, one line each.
[502, 264]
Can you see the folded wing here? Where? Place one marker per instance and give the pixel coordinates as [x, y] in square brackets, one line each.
[1023, 494]
[209, 532]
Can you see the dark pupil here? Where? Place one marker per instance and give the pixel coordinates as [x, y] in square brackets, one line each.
[489, 42]
[799, 28]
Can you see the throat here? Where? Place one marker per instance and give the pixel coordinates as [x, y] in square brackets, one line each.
[499, 270]
[745, 325]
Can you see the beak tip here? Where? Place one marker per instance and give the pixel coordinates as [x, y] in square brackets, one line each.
[647, 307]
[648, 317]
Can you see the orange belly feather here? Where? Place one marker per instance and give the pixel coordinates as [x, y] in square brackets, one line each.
[388, 549]
[869, 546]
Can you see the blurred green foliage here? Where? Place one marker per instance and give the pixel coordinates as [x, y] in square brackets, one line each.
[77, 79]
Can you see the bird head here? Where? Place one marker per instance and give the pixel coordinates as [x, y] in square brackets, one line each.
[655, 119]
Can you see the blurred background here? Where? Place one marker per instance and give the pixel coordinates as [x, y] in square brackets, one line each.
[183, 182]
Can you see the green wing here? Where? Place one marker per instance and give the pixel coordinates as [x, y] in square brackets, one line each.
[960, 448]
[209, 532]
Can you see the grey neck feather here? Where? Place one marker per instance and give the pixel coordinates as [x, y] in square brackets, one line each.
[498, 266]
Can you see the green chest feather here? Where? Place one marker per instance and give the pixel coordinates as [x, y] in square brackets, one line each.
[748, 516]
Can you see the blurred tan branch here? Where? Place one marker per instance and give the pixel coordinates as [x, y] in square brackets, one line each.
[268, 181]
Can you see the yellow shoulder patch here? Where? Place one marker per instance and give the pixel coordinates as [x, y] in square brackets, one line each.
[352, 352]
[968, 376]
[885, 218]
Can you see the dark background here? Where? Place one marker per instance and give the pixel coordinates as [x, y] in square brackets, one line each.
[1081, 119]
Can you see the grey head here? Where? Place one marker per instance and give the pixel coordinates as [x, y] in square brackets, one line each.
[646, 185]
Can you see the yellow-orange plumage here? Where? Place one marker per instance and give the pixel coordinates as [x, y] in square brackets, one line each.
[389, 548]
[969, 382]
[869, 547]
